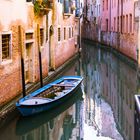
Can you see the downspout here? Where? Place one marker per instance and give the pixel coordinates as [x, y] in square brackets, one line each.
[121, 16]
[118, 37]
[110, 24]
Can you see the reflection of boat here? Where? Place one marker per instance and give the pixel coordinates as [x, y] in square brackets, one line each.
[26, 124]
[48, 96]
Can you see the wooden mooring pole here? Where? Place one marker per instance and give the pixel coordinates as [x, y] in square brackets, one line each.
[22, 59]
[39, 53]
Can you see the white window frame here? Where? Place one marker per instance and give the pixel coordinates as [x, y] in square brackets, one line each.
[29, 40]
[6, 61]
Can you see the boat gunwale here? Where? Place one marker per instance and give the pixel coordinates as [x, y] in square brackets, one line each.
[54, 100]
[35, 93]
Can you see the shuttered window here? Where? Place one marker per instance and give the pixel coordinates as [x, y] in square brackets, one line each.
[29, 36]
[59, 36]
[64, 33]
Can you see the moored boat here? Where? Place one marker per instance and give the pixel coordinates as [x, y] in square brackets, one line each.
[49, 96]
[36, 121]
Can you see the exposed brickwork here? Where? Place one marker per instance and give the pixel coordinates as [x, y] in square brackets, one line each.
[10, 86]
[10, 74]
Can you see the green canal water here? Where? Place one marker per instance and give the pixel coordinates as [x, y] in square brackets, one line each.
[102, 109]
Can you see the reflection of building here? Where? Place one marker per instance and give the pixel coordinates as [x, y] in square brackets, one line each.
[137, 27]
[62, 123]
[116, 81]
[119, 91]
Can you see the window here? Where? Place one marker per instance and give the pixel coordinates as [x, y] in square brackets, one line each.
[47, 27]
[103, 5]
[126, 23]
[118, 24]
[130, 24]
[6, 46]
[41, 36]
[59, 36]
[72, 31]
[106, 24]
[64, 33]
[107, 4]
[69, 32]
[114, 24]
[29, 36]
[123, 24]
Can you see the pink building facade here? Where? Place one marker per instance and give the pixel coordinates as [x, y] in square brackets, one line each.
[114, 26]
[117, 26]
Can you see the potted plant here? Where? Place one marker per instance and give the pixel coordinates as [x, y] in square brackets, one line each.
[40, 8]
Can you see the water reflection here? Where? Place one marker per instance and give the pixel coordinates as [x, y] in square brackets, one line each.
[108, 77]
[50, 125]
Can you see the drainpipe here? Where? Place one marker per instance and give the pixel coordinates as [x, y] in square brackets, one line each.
[110, 25]
[118, 37]
[121, 15]
[80, 16]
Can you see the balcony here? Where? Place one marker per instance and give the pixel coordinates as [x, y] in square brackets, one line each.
[68, 8]
[42, 8]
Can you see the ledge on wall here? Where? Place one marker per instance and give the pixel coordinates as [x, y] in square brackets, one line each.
[67, 15]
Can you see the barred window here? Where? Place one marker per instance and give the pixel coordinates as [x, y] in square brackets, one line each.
[64, 33]
[41, 36]
[59, 36]
[6, 46]
[72, 31]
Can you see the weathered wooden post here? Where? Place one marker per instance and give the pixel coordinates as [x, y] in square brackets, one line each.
[39, 53]
[20, 39]
[137, 118]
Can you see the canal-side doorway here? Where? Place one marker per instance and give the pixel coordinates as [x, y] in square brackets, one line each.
[28, 63]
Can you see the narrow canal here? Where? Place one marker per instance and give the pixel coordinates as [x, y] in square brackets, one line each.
[105, 97]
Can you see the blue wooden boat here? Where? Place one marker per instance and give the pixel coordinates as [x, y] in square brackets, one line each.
[49, 96]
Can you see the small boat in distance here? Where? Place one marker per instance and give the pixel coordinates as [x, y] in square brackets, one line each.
[49, 96]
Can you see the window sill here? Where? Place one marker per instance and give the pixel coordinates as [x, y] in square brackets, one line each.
[59, 42]
[6, 62]
[29, 41]
[30, 3]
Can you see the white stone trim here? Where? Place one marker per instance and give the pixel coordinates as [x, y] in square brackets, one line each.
[7, 61]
